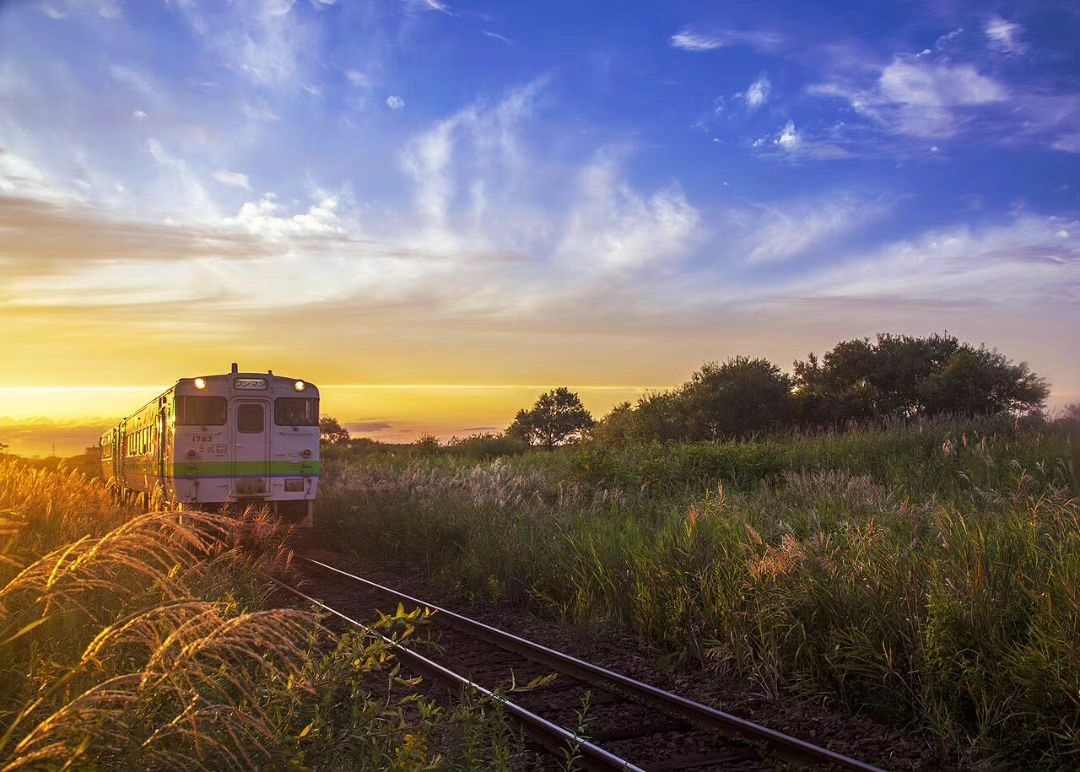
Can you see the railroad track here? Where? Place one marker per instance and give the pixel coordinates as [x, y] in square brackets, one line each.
[628, 724]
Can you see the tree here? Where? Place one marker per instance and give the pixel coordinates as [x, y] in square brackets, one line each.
[738, 398]
[660, 415]
[331, 432]
[902, 366]
[978, 381]
[618, 427]
[901, 376]
[557, 418]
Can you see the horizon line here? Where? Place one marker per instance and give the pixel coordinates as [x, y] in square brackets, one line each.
[369, 386]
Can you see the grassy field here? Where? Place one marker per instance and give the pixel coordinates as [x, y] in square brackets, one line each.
[927, 574]
[145, 641]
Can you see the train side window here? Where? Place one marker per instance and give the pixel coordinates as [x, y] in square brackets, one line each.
[296, 411]
[200, 411]
[249, 418]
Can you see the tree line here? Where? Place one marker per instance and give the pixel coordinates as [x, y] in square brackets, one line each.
[857, 381]
[894, 377]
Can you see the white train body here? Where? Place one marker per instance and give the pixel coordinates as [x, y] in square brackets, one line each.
[240, 438]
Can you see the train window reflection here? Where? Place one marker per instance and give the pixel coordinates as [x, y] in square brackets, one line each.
[200, 411]
[296, 411]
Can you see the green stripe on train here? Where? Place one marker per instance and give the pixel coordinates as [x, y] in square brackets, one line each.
[244, 468]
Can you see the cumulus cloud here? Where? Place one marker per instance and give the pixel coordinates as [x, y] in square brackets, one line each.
[395, 102]
[698, 40]
[267, 218]
[920, 98]
[926, 84]
[757, 93]
[788, 138]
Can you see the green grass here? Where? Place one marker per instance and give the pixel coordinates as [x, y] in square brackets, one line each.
[926, 574]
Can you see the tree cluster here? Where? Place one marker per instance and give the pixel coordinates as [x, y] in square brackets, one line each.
[903, 377]
[894, 377]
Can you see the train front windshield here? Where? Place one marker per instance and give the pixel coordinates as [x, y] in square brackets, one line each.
[200, 411]
[296, 411]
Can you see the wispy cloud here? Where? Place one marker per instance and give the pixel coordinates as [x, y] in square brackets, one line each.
[429, 5]
[464, 161]
[395, 102]
[180, 183]
[139, 82]
[1005, 35]
[233, 179]
[691, 39]
[497, 36]
[1020, 261]
[267, 41]
[783, 231]
[1070, 143]
[613, 227]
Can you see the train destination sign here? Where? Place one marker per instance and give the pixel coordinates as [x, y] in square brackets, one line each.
[249, 383]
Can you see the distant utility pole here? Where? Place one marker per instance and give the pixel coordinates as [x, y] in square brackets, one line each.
[54, 449]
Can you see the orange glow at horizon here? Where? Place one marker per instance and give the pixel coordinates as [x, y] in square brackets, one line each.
[33, 419]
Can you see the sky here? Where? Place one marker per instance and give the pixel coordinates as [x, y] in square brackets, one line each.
[437, 209]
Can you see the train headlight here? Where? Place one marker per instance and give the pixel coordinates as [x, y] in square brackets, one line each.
[299, 385]
[200, 383]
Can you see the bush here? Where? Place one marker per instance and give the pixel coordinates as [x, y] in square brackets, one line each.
[483, 447]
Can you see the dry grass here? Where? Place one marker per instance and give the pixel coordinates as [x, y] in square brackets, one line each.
[144, 641]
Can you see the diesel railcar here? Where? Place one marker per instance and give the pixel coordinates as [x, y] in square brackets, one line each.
[216, 440]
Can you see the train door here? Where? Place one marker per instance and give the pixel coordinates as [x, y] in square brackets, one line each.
[251, 458]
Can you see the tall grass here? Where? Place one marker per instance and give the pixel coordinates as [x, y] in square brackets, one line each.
[147, 640]
[929, 576]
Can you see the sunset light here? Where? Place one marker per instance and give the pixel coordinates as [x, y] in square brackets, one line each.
[406, 192]
[696, 383]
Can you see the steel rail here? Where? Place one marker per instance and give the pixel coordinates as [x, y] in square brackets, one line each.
[551, 736]
[784, 746]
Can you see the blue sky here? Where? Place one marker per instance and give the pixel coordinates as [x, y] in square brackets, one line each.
[419, 191]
